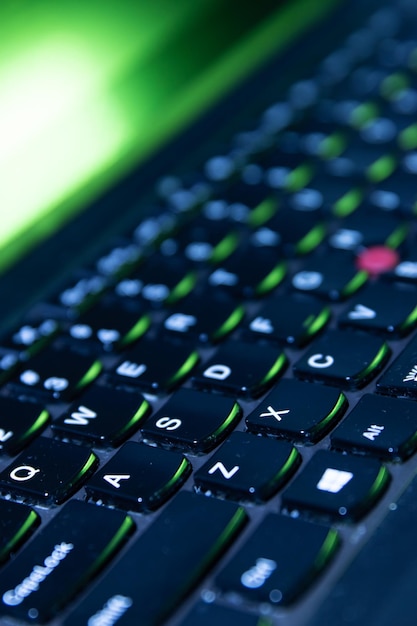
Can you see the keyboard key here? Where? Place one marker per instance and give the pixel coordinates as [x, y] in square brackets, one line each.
[82, 293]
[159, 281]
[20, 422]
[293, 319]
[338, 486]
[109, 327]
[332, 276]
[174, 554]
[205, 241]
[17, 522]
[368, 229]
[31, 337]
[248, 468]
[175, 425]
[251, 272]
[400, 379]
[343, 358]
[279, 561]
[298, 411]
[102, 416]
[194, 319]
[58, 374]
[299, 231]
[156, 366]
[387, 309]
[139, 478]
[242, 369]
[383, 427]
[209, 614]
[62, 558]
[48, 471]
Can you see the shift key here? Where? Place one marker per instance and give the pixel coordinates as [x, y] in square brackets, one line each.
[65, 555]
[164, 565]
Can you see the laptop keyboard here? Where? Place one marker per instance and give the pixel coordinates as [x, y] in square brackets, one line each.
[233, 382]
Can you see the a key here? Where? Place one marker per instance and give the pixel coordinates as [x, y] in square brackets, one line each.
[160, 281]
[194, 319]
[381, 308]
[337, 486]
[241, 368]
[382, 426]
[139, 477]
[58, 374]
[109, 326]
[251, 272]
[248, 468]
[298, 411]
[400, 379]
[332, 276]
[17, 522]
[65, 555]
[175, 424]
[102, 416]
[48, 471]
[156, 365]
[279, 561]
[293, 318]
[209, 614]
[343, 358]
[174, 554]
[20, 422]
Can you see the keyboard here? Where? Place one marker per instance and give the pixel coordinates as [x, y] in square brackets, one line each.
[215, 413]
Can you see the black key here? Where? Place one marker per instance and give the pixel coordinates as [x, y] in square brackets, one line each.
[292, 318]
[204, 241]
[47, 471]
[195, 319]
[243, 369]
[109, 326]
[209, 614]
[139, 477]
[20, 422]
[9, 363]
[65, 555]
[387, 309]
[279, 561]
[82, 292]
[174, 554]
[251, 272]
[102, 416]
[339, 486]
[400, 379]
[160, 281]
[368, 229]
[120, 259]
[333, 276]
[298, 411]
[156, 366]
[383, 427]
[299, 231]
[248, 468]
[193, 421]
[58, 374]
[31, 337]
[343, 358]
[17, 522]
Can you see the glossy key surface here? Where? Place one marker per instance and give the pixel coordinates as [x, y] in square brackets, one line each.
[62, 558]
[279, 560]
